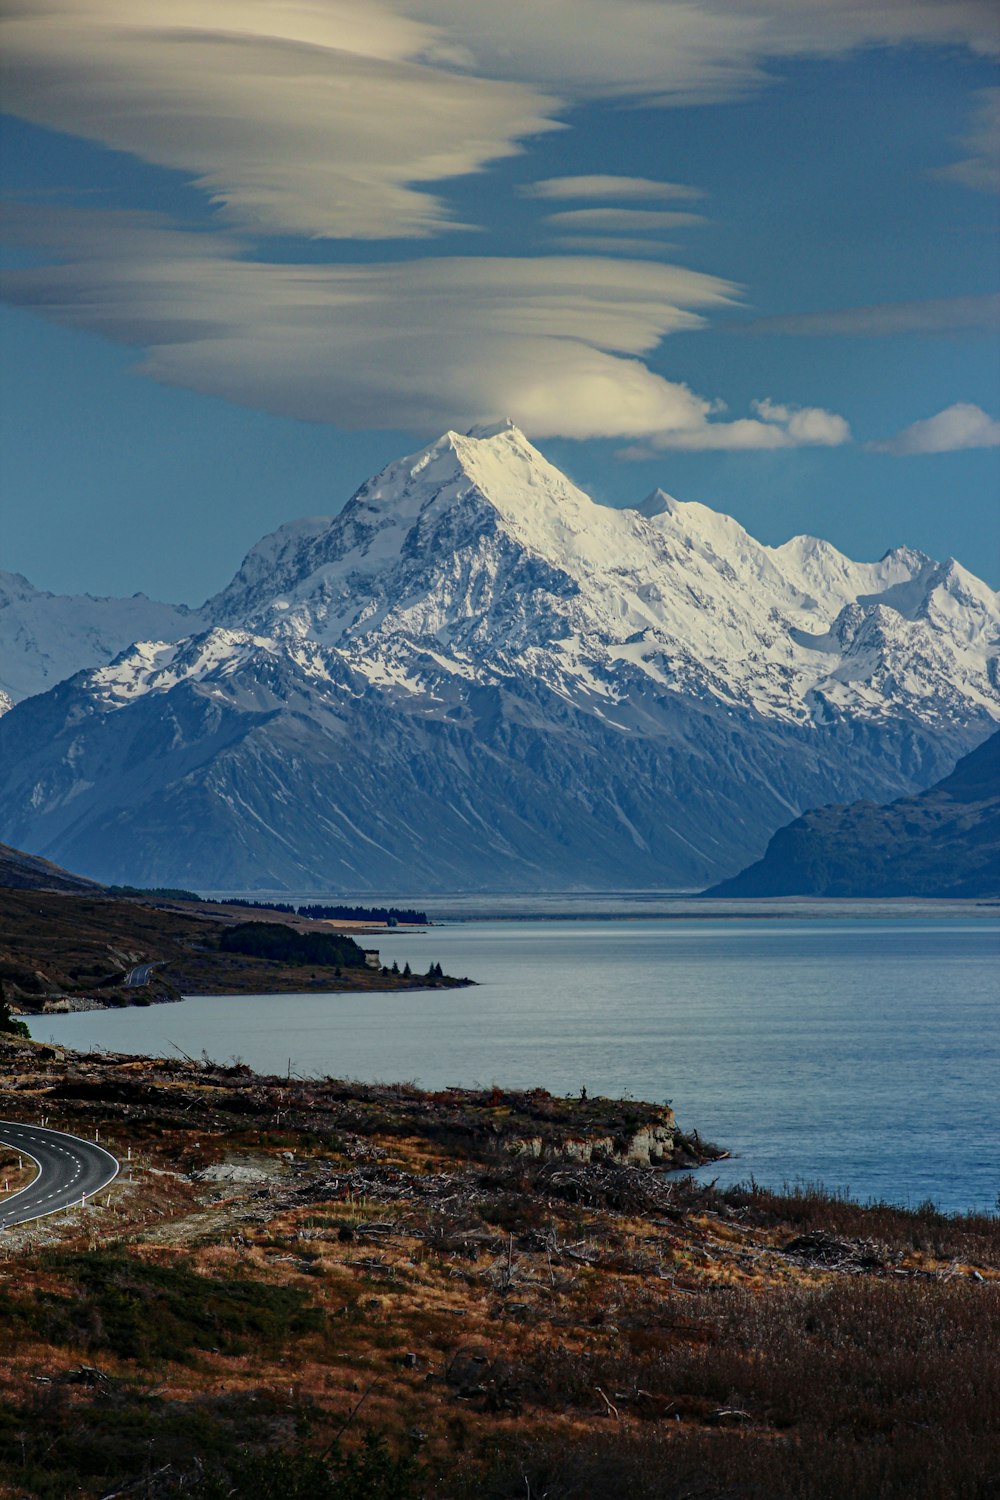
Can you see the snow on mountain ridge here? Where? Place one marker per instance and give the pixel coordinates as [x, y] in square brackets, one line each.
[48, 637]
[476, 676]
[476, 559]
[478, 555]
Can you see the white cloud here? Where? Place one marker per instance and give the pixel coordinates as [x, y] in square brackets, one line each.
[343, 119]
[775, 426]
[555, 341]
[608, 186]
[961, 426]
[334, 119]
[630, 220]
[981, 169]
[677, 51]
[295, 118]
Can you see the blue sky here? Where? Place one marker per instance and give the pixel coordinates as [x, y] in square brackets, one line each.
[747, 253]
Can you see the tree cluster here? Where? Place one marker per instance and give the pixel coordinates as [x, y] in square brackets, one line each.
[273, 940]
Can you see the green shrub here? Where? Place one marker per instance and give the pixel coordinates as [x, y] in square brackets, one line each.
[140, 1310]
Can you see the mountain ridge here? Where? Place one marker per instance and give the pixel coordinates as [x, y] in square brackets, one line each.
[475, 673]
[47, 637]
[944, 843]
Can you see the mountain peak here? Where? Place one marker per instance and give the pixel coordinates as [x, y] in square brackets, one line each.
[497, 464]
[475, 668]
[488, 430]
[656, 503]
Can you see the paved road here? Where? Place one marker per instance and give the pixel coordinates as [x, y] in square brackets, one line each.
[137, 977]
[68, 1168]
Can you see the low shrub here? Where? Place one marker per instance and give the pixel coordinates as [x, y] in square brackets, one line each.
[141, 1310]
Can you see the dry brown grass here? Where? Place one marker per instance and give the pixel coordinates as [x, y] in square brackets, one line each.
[530, 1328]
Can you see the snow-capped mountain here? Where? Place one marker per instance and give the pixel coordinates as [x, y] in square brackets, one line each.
[477, 555]
[473, 675]
[45, 638]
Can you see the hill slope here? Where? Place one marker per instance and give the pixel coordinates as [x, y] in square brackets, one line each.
[944, 842]
[26, 872]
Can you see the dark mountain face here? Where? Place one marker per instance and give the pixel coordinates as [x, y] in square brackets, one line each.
[476, 678]
[246, 782]
[945, 842]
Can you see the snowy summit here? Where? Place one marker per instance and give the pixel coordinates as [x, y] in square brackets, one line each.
[473, 645]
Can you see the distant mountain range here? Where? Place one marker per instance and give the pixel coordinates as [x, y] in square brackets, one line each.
[475, 677]
[944, 842]
[45, 638]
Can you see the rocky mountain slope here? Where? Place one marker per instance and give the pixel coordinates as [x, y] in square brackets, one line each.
[943, 842]
[474, 676]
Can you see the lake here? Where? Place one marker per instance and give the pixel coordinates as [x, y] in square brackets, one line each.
[860, 1052]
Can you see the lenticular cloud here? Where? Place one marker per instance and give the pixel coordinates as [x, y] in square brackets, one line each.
[555, 341]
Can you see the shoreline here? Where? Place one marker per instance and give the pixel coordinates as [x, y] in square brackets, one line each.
[508, 1282]
[72, 1005]
[65, 952]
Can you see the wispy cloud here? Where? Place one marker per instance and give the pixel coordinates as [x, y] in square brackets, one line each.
[341, 119]
[346, 120]
[294, 118]
[937, 315]
[961, 426]
[981, 168]
[555, 341]
[774, 426]
[676, 52]
[608, 187]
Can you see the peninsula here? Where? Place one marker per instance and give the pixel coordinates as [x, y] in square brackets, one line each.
[68, 944]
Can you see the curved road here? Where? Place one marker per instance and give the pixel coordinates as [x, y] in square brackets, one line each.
[68, 1167]
[137, 977]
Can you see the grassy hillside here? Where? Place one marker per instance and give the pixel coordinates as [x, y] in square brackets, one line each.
[318, 1290]
[56, 944]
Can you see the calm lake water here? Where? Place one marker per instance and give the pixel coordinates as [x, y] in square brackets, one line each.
[860, 1053]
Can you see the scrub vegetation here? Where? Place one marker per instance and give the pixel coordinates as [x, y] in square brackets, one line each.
[361, 1292]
